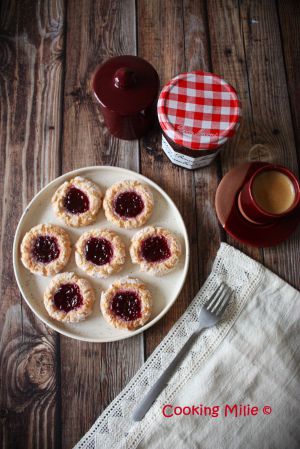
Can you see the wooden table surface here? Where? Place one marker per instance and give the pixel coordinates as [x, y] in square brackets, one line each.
[53, 387]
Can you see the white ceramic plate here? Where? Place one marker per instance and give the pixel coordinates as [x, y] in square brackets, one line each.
[164, 289]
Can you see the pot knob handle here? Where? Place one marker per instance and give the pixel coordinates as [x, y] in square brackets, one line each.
[124, 78]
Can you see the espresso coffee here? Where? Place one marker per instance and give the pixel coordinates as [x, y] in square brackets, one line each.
[273, 191]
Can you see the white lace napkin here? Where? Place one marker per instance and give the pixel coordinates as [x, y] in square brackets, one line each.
[251, 357]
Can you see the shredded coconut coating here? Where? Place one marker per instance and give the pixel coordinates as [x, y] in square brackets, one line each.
[128, 186]
[101, 271]
[136, 286]
[93, 193]
[64, 244]
[76, 315]
[159, 268]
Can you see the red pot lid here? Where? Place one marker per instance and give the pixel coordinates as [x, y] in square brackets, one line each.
[126, 84]
[199, 110]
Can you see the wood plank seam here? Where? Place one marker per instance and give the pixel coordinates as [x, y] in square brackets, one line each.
[286, 77]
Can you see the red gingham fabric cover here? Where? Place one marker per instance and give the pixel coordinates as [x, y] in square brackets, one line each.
[198, 110]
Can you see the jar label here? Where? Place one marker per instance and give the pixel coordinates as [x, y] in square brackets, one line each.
[186, 161]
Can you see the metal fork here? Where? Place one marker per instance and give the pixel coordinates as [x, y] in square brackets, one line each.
[210, 314]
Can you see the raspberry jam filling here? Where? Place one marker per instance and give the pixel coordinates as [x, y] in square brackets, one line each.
[155, 249]
[68, 297]
[98, 251]
[45, 249]
[76, 201]
[126, 305]
[129, 204]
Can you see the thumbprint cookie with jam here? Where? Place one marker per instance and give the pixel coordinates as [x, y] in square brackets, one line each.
[156, 250]
[100, 253]
[45, 249]
[128, 204]
[77, 201]
[69, 298]
[126, 304]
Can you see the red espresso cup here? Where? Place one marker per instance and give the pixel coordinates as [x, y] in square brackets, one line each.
[272, 192]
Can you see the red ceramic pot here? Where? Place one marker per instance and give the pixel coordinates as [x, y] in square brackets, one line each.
[253, 211]
[127, 89]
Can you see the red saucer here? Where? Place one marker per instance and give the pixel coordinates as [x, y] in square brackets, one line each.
[236, 225]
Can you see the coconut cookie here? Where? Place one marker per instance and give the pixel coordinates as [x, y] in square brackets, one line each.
[128, 204]
[100, 253]
[45, 249]
[77, 201]
[69, 298]
[156, 250]
[126, 304]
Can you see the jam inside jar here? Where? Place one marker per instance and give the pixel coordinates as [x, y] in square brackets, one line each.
[198, 112]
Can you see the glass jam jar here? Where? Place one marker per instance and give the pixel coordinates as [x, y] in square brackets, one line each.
[126, 88]
[198, 112]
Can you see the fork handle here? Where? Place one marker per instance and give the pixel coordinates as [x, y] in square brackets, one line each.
[142, 408]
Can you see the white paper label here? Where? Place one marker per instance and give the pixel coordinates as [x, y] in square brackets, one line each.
[186, 161]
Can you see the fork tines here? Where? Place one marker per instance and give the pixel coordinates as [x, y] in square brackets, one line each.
[217, 303]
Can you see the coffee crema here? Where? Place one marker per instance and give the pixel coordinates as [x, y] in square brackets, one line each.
[273, 191]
